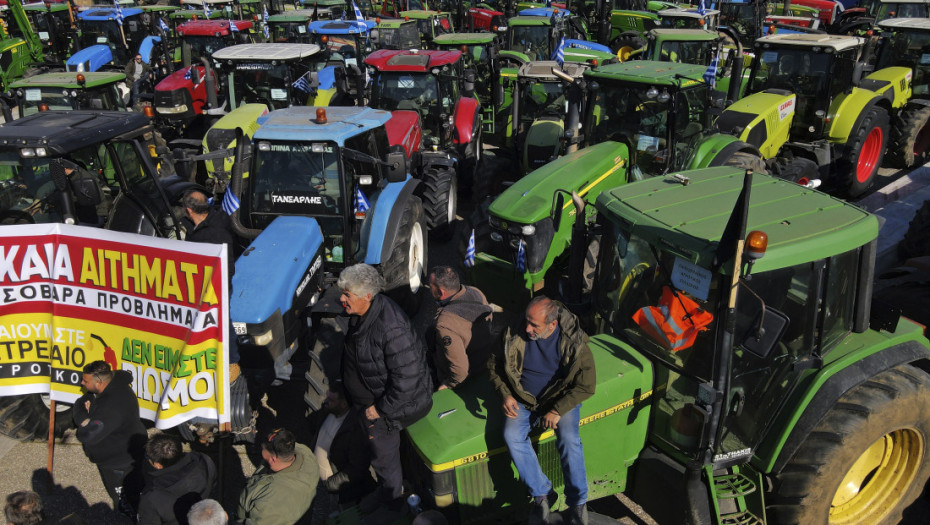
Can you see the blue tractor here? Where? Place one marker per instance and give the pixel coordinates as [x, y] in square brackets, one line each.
[326, 189]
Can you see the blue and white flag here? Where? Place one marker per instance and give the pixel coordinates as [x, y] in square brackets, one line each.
[163, 26]
[119, 12]
[548, 3]
[233, 28]
[230, 202]
[206, 10]
[187, 75]
[559, 54]
[710, 76]
[521, 257]
[265, 30]
[303, 84]
[361, 202]
[702, 9]
[359, 19]
[470, 251]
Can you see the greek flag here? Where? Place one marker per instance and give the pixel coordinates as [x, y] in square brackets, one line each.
[187, 75]
[470, 251]
[206, 10]
[119, 12]
[233, 28]
[265, 30]
[702, 9]
[559, 54]
[303, 84]
[521, 257]
[361, 202]
[230, 202]
[163, 26]
[710, 76]
[359, 19]
[548, 3]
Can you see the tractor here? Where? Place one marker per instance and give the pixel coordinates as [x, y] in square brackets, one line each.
[65, 91]
[55, 27]
[346, 40]
[817, 111]
[327, 188]
[396, 33]
[537, 32]
[436, 85]
[18, 54]
[100, 27]
[291, 26]
[431, 25]
[785, 396]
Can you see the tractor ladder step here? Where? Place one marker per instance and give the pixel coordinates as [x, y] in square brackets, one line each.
[733, 486]
[740, 518]
[730, 492]
[487, 120]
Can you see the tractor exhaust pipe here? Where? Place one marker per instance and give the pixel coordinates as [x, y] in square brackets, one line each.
[235, 186]
[211, 83]
[736, 73]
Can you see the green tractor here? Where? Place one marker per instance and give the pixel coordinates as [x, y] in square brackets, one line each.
[54, 25]
[396, 34]
[431, 24]
[784, 398]
[291, 26]
[816, 112]
[93, 90]
[18, 54]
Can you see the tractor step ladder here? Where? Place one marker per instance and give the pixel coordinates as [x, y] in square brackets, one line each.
[487, 120]
[734, 493]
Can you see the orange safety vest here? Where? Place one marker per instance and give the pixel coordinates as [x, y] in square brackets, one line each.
[675, 323]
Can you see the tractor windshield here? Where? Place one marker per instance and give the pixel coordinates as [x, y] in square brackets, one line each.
[532, 41]
[203, 46]
[658, 122]
[26, 189]
[296, 179]
[887, 10]
[103, 97]
[539, 99]
[293, 32]
[908, 49]
[420, 92]
[341, 47]
[697, 52]
[404, 36]
[261, 83]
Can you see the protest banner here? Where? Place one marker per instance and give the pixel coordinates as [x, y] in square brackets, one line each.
[158, 308]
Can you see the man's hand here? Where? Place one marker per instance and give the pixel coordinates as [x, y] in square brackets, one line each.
[511, 407]
[551, 419]
[372, 413]
[442, 387]
[87, 405]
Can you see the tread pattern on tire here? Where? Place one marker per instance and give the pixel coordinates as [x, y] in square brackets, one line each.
[904, 136]
[394, 270]
[439, 186]
[25, 418]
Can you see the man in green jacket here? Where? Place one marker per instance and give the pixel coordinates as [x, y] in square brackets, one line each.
[280, 491]
[543, 373]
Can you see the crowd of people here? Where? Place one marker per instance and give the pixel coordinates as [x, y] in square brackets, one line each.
[542, 369]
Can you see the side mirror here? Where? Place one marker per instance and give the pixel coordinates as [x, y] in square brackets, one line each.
[397, 169]
[765, 332]
[195, 75]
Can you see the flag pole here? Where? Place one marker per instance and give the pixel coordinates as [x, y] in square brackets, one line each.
[51, 443]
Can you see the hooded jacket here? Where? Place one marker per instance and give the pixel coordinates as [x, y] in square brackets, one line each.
[390, 362]
[170, 492]
[462, 336]
[214, 229]
[115, 436]
[576, 377]
[282, 497]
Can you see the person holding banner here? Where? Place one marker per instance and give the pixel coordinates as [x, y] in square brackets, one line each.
[107, 417]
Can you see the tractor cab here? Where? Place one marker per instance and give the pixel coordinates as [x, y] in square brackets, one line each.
[67, 91]
[202, 38]
[276, 75]
[291, 26]
[430, 24]
[394, 8]
[183, 16]
[332, 9]
[346, 40]
[816, 68]
[54, 27]
[396, 33]
[906, 42]
[881, 10]
[99, 26]
[689, 46]
[479, 53]
[536, 32]
[688, 18]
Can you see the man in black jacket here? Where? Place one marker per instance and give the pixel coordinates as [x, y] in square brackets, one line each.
[107, 417]
[385, 376]
[174, 481]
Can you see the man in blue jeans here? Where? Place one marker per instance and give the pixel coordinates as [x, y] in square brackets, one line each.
[543, 373]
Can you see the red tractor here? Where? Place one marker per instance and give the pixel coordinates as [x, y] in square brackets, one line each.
[182, 97]
[437, 86]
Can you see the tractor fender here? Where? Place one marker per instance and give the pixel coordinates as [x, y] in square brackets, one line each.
[383, 220]
[516, 56]
[403, 129]
[146, 47]
[918, 102]
[716, 149]
[90, 59]
[761, 119]
[894, 83]
[466, 119]
[849, 111]
[429, 159]
[825, 389]
[327, 77]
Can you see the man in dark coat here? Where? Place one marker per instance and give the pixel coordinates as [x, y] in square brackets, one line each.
[107, 417]
[174, 481]
[385, 375]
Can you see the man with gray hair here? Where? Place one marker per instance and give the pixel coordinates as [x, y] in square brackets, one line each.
[386, 378]
[207, 512]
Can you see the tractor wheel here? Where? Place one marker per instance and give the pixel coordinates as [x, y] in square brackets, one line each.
[856, 169]
[867, 459]
[405, 269]
[795, 169]
[910, 138]
[25, 417]
[916, 242]
[440, 201]
[746, 161]
[624, 45]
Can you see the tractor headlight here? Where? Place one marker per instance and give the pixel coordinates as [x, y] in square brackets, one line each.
[264, 146]
[74, 93]
[496, 237]
[528, 229]
[27, 153]
[41, 152]
[264, 339]
[494, 221]
[365, 180]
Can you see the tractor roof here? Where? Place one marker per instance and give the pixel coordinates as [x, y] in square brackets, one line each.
[528, 21]
[266, 52]
[682, 12]
[412, 60]
[211, 27]
[836, 42]
[298, 15]
[46, 7]
[893, 24]
[543, 12]
[457, 39]
[189, 14]
[339, 27]
[107, 13]
[802, 224]
[542, 69]
[299, 123]
[650, 72]
[69, 80]
[690, 35]
[419, 14]
[63, 131]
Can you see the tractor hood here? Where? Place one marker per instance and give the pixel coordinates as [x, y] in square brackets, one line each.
[530, 198]
[466, 425]
[90, 58]
[271, 270]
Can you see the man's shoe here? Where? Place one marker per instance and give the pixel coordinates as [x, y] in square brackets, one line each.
[577, 515]
[539, 513]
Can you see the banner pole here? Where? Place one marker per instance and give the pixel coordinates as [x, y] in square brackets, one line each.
[51, 442]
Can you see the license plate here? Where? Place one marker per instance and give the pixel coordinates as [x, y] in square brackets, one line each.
[239, 328]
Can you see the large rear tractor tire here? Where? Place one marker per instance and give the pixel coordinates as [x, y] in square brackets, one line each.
[746, 161]
[856, 169]
[910, 138]
[440, 201]
[916, 242]
[624, 45]
[795, 169]
[867, 459]
[25, 417]
[405, 270]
